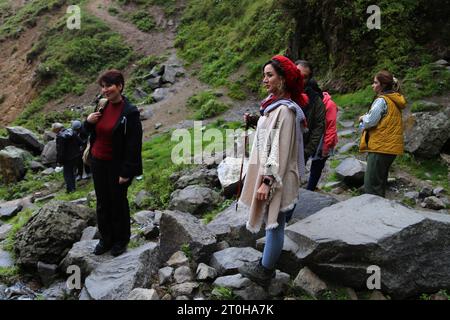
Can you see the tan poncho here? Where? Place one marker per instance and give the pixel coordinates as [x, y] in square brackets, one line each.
[274, 152]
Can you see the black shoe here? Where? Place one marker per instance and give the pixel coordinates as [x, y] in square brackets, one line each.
[118, 249]
[101, 248]
[256, 272]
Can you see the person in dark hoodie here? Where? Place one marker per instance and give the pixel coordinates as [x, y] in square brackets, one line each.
[67, 153]
[115, 154]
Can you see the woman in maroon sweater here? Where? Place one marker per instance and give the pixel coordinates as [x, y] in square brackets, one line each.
[116, 146]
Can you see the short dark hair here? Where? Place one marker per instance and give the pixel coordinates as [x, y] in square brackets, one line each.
[306, 64]
[111, 77]
[277, 67]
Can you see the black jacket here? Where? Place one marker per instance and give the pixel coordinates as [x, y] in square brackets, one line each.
[126, 141]
[315, 116]
[67, 146]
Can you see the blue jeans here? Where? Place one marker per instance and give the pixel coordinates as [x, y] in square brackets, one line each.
[275, 241]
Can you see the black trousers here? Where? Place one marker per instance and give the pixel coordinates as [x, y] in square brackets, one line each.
[69, 174]
[315, 173]
[113, 212]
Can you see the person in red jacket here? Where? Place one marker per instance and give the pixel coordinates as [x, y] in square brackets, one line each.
[330, 138]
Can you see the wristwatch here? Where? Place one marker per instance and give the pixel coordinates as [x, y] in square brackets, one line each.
[268, 181]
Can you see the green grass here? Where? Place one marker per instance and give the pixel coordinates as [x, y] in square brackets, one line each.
[208, 217]
[9, 275]
[420, 106]
[142, 19]
[224, 293]
[17, 223]
[354, 104]
[206, 105]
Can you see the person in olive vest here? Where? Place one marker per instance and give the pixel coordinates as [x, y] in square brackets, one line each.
[382, 135]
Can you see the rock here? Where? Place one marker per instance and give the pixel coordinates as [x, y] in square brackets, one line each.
[252, 292]
[142, 198]
[429, 134]
[90, 233]
[82, 255]
[434, 203]
[425, 192]
[139, 94]
[178, 259]
[229, 260]
[439, 191]
[205, 272]
[48, 155]
[165, 275]
[12, 165]
[229, 171]
[4, 231]
[340, 242]
[183, 274]
[234, 282]
[36, 166]
[81, 202]
[310, 202]
[11, 208]
[20, 289]
[158, 125]
[49, 136]
[202, 177]
[279, 284]
[169, 75]
[154, 83]
[166, 297]
[347, 147]
[57, 291]
[441, 62]
[347, 124]
[115, 279]
[51, 232]
[377, 295]
[160, 94]
[150, 232]
[184, 289]
[346, 132]
[157, 71]
[43, 198]
[180, 228]
[47, 272]
[48, 171]
[6, 260]
[2, 292]
[230, 226]
[194, 199]
[143, 294]
[412, 195]
[144, 217]
[310, 283]
[351, 171]
[22, 136]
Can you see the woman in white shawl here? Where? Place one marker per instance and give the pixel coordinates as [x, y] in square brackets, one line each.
[276, 163]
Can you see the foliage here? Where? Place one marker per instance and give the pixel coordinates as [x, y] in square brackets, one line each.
[206, 105]
[208, 217]
[142, 20]
[224, 293]
[186, 249]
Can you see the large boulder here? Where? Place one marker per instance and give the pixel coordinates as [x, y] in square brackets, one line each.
[202, 177]
[429, 133]
[48, 155]
[230, 226]
[351, 171]
[12, 164]
[229, 260]
[229, 172]
[11, 208]
[310, 202]
[51, 232]
[179, 229]
[116, 278]
[25, 137]
[341, 242]
[194, 199]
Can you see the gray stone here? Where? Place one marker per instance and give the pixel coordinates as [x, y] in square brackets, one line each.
[183, 274]
[425, 192]
[229, 260]
[252, 292]
[82, 255]
[154, 83]
[142, 198]
[233, 282]
[20, 291]
[194, 199]
[347, 124]
[351, 171]
[90, 233]
[439, 191]
[4, 231]
[182, 298]
[340, 242]
[160, 94]
[158, 125]
[48, 155]
[205, 272]
[36, 166]
[6, 260]
[429, 134]
[229, 172]
[139, 94]
[184, 289]
[51, 232]
[157, 71]
[310, 202]
[12, 165]
[57, 291]
[48, 171]
[150, 232]
[202, 177]
[115, 279]
[178, 259]
[49, 136]
[412, 195]
[81, 201]
[22, 136]
[346, 132]
[166, 297]
[309, 282]
[165, 275]
[441, 62]
[47, 272]
[279, 284]
[178, 229]
[434, 203]
[10, 209]
[170, 74]
[144, 217]
[143, 294]
[347, 147]
[230, 226]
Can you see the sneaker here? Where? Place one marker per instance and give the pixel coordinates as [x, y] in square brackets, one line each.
[118, 249]
[256, 272]
[101, 248]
